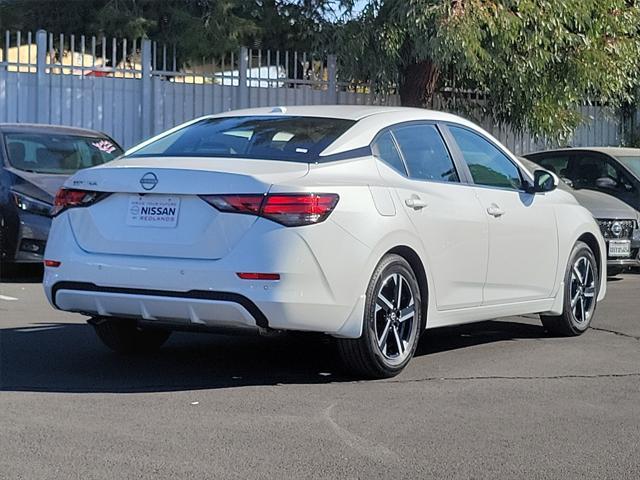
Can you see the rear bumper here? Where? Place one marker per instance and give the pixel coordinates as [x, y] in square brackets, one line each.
[195, 307]
[311, 295]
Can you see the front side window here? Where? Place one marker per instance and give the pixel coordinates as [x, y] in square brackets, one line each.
[487, 164]
[594, 172]
[385, 149]
[425, 153]
[295, 139]
[58, 153]
[558, 164]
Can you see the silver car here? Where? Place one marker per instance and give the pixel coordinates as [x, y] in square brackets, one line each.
[618, 223]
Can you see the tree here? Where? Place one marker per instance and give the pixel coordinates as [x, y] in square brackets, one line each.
[197, 28]
[537, 60]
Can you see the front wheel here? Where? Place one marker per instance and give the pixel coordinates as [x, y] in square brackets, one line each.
[391, 322]
[581, 282]
[124, 336]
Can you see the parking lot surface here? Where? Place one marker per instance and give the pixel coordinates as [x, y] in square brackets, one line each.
[499, 399]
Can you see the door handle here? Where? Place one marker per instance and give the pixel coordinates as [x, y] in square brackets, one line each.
[495, 211]
[415, 202]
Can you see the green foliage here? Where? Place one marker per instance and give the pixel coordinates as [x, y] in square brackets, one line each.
[536, 59]
[198, 28]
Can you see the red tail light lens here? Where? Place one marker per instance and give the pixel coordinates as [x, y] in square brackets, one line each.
[300, 209]
[68, 198]
[289, 209]
[236, 203]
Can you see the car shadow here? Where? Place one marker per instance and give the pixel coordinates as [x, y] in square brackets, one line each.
[67, 357]
[21, 273]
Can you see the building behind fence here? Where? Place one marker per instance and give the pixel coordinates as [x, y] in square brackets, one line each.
[132, 90]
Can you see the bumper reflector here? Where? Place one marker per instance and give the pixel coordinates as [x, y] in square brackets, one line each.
[52, 263]
[258, 276]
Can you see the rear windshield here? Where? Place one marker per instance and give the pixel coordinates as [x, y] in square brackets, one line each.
[295, 139]
[58, 153]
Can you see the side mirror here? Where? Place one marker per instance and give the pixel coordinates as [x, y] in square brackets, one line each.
[544, 181]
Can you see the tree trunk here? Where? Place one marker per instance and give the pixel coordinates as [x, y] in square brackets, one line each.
[418, 83]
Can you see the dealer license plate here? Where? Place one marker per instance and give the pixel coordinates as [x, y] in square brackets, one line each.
[619, 248]
[153, 211]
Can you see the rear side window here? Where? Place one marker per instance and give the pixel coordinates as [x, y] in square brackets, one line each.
[385, 149]
[487, 164]
[425, 154]
[296, 139]
[58, 153]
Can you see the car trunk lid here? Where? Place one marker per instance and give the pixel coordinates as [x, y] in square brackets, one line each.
[155, 208]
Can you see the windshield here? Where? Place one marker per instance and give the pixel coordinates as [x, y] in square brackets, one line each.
[58, 153]
[295, 139]
[631, 162]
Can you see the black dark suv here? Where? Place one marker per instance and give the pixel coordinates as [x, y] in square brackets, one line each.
[35, 160]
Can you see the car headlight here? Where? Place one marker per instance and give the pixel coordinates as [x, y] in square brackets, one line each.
[31, 205]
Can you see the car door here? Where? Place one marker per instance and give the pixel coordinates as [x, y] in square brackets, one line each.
[596, 171]
[523, 239]
[446, 214]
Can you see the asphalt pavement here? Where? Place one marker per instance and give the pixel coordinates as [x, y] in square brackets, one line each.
[499, 399]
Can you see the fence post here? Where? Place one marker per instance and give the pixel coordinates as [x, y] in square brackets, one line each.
[146, 106]
[243, 88]
[332, 78]
[42, 92]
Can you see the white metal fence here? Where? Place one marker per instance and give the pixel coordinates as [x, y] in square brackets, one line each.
[134, 89]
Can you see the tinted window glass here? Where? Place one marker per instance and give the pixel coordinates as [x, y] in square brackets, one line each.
[488, 165]
[56, 153]
[631, 162]
[558, 164]
[385, 149]
[425, 154]
[297, 139]
[595, 172]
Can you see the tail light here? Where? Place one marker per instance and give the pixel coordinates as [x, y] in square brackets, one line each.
[69, 198]
[289, 209]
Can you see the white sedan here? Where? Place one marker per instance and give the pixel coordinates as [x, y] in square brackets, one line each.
[369, 224]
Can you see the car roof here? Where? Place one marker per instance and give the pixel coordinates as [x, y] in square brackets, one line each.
[45, 128]
[346, 112]
[611, 151]
[370, 119]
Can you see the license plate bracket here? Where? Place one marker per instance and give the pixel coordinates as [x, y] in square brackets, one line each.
[619, 248]
[153, 211]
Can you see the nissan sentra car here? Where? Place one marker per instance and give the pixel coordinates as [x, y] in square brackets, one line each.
[368, 224]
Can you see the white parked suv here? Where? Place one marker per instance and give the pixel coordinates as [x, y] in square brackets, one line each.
[369, 224]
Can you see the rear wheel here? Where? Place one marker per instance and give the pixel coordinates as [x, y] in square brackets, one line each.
[124, 335]
[581, 283]
[391, 325]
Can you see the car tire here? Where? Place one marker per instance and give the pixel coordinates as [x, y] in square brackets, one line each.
[580, 294]
[125, 336]
[391, 327]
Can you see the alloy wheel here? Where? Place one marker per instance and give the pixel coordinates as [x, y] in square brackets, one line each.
[582, 290]
[395, 315]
